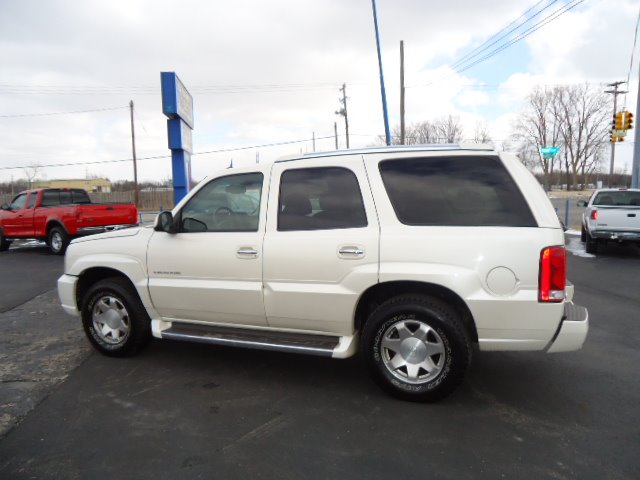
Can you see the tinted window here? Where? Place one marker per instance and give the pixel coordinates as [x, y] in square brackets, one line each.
[18, 202]
[618, 198]
[227, 204]
[50, 198]
[32, 200]
[454, 191]
[65, 197]
[80, 196]
[320, 199]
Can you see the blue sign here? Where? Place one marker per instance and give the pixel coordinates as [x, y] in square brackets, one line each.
[177, 104]
[179, 135]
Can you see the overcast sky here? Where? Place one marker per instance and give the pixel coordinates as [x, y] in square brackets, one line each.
[264, 72]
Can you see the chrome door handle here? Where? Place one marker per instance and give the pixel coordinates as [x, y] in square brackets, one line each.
[247, 252]
[351, 251]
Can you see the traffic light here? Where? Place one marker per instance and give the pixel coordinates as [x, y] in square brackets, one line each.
[618, 121]
[613, 138]
[628, 121]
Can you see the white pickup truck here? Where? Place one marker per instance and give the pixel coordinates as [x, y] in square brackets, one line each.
[410, 255]
[611, 214]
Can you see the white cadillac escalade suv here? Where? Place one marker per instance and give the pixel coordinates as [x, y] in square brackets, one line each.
[411, 255]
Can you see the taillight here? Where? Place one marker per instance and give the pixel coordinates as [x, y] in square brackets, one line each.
[553, 274]
[594, 214]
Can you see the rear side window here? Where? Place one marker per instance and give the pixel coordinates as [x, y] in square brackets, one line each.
[323, 198]
[80, 196]
[50, 198]
[65, 197]
[454, 191]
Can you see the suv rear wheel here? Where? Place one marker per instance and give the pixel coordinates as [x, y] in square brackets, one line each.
[416, 348]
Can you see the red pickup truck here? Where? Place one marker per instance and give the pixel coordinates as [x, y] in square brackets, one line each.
[56, 215]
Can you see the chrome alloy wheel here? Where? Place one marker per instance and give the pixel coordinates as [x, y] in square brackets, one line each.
[56, 241]
[111, 320]
[412, 351]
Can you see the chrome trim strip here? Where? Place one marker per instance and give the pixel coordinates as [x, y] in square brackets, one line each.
[324, 352]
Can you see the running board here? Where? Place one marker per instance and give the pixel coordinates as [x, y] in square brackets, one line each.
[322, 345]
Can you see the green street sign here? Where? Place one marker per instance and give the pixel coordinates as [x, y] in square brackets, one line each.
[549, 152]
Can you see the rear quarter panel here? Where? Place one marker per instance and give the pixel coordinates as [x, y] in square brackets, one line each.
[467, 260]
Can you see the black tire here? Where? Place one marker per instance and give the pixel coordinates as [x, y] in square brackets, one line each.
[4, 243]
[591, 244]
[58, 240]
[444, 331]
[583, 235]
[115, 297]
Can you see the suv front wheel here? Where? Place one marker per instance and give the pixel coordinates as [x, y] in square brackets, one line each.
[114, 319]
[416, 348]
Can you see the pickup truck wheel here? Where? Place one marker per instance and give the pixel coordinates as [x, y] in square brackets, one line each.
[114, 319]
[583, 234]
[416, 348]
[58, 241]
[591, 245]
[4, 243]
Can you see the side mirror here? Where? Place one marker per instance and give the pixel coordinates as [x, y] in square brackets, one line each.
[582, 203]
[5, 206]
[164, 223]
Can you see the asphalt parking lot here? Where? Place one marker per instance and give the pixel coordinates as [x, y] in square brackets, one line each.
[182, 410]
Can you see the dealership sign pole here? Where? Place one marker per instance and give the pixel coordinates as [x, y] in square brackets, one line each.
[177, 104]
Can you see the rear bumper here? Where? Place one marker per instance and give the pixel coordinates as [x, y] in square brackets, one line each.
[572, 331]
[616, 236]
[67, 293]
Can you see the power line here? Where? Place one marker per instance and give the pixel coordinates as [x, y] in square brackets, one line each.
[561, 11]
[14, 89]
[487, 45]
[549, 18]
[155, 157]
[21, 115]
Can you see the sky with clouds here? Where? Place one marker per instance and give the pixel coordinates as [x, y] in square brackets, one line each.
[269, 72]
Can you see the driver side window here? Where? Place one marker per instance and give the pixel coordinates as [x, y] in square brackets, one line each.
[18, 202]
[226, 204]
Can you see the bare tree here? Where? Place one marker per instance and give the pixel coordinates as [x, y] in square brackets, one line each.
[572, 117]
[581, 113]
[481, 133]
[537, 128]
[449, 129]
[31, 172]
[443, 130]
[419, 133]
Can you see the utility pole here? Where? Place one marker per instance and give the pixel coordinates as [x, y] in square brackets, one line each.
[635, 166]
[135, 165]
[343, 111]
[314, 142]
[401, 92]
[335, 133]
[258, 156]
[615, 93]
